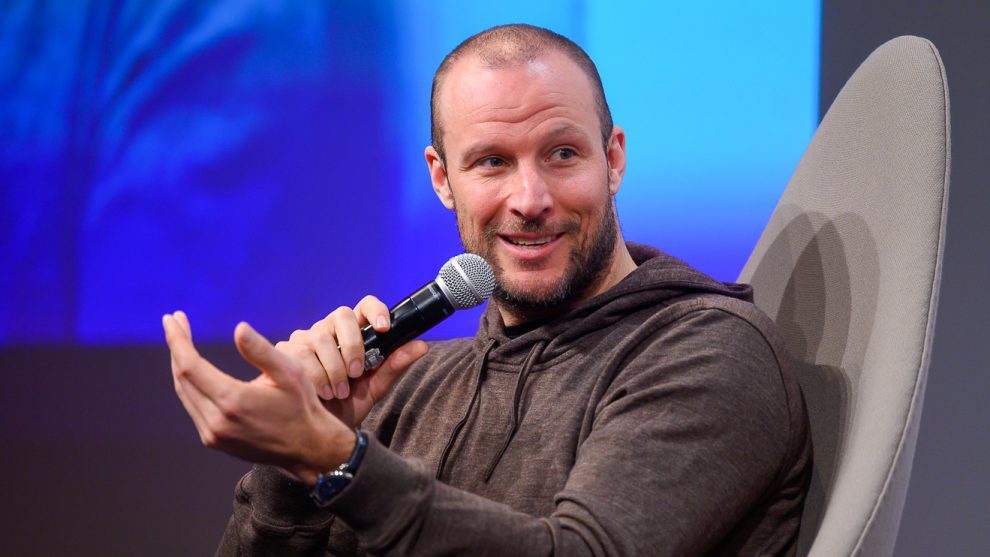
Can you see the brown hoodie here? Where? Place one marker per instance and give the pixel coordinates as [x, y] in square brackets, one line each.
[658, 418]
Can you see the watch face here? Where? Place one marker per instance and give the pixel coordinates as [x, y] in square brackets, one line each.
[333, 483]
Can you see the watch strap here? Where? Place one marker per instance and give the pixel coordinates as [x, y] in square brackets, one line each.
[328, 485]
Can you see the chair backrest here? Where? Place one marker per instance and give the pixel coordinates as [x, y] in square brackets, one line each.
[849, 268]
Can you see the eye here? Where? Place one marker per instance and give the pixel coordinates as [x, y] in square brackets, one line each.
[564, 153]
[491, 162]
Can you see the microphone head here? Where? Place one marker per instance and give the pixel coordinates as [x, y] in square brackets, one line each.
[467, 280]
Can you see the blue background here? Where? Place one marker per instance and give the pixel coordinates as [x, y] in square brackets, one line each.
[263, 161]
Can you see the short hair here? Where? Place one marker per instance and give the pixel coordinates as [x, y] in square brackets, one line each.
[505, 45]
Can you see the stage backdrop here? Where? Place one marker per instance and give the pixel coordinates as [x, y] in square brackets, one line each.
[263, 161]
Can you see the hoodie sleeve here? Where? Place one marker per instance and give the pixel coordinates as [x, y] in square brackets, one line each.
[689, 436]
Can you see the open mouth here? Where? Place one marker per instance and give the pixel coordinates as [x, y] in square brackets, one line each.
[530, 242]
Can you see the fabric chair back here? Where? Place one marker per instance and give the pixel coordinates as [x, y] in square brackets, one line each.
[849, 268]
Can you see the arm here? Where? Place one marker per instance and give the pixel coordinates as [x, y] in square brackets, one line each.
[276, 419]
[685, 441]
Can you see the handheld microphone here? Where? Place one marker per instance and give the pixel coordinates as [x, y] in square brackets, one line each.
[463, 282]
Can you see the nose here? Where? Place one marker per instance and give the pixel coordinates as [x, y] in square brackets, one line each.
[530, 197]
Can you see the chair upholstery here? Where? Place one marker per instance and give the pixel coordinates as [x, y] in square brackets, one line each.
[849, 268]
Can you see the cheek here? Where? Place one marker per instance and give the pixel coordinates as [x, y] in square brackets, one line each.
[584, 198]
[476, 209]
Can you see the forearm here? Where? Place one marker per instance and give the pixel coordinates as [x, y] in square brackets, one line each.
[395, 507]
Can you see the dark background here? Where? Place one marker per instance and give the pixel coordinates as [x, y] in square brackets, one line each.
[79, 478]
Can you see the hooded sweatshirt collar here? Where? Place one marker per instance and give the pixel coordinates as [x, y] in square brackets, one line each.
[658, 278]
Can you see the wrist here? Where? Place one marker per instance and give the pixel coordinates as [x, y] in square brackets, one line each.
[330, 484]
[328, 453]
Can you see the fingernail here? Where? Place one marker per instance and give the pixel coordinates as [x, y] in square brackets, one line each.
[381, 322]
[342, 390]
[327, 392]
[356, 369]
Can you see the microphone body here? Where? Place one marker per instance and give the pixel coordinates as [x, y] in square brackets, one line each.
[411, 317]
[463, 282]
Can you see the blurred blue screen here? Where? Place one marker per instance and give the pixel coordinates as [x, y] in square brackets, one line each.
[263, 161]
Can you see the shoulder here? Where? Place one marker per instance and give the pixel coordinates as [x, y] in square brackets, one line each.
[696, 338]
[720, 358]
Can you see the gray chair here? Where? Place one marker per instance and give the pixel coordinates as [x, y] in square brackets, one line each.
[849, 268]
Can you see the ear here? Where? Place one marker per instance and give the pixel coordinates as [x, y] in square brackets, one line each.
[615, 154]
[438, 175]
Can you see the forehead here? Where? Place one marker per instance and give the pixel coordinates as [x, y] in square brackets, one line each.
[475, 98]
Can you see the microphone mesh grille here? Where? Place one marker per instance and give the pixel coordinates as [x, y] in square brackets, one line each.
[469, 278]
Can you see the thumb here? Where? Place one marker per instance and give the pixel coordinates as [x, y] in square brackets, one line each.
[394, 366]
[260, 353]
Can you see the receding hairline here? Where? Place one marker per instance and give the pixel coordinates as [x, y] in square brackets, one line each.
[505, 46]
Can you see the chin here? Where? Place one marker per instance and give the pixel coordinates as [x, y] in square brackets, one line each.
[533, 293]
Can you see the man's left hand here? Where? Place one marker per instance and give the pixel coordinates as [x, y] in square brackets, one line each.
[276, 419]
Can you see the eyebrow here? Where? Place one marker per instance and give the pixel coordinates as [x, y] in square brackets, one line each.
[561, 130]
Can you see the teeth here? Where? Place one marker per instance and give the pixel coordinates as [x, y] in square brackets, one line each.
[533, 242]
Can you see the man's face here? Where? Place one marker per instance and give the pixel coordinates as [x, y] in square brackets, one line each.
[528, 177]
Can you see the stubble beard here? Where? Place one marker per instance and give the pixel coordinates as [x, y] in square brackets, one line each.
[588, 265]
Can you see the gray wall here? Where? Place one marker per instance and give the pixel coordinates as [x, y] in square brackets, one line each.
[948, 502]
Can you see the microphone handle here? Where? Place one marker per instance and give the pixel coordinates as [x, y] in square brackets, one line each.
[410, 318]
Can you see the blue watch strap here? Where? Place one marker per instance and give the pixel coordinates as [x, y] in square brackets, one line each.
[330, 484]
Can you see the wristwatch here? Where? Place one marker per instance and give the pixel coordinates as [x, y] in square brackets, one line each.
[330, 484]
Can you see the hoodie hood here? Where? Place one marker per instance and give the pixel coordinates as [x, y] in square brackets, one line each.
[658, 279]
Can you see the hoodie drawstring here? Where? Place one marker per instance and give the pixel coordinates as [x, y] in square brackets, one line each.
[482, 365]
[516, 399]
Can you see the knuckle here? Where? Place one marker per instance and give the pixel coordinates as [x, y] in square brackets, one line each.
[297, 335]
[330, 372]
[182, 371]
[298, 350]
[229, 404]
[318, 380]
[322, 328]
[231, 414]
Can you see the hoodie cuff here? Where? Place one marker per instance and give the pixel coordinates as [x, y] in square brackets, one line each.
[384, 497]
[279, 501]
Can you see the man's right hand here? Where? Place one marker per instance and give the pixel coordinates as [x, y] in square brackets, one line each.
[332, 354]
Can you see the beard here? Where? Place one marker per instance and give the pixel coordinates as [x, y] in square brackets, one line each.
[588, 263]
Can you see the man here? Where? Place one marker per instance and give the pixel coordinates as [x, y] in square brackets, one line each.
[613, 402]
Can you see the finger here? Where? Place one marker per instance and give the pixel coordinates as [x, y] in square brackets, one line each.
[191, 409]
[393, 367]
[311, 366]
[196, 405]
[371, 310]
[324, 345]
[260, 353]
[201, 409]
[197, 416]
[190, 367]
[349, 339]
[183, 320]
